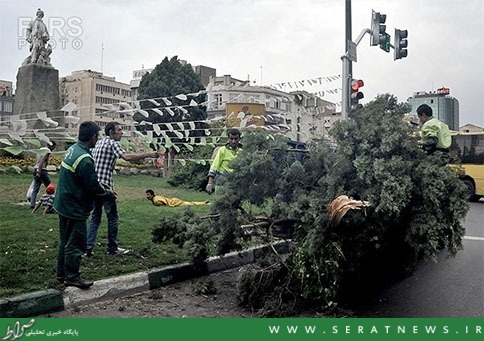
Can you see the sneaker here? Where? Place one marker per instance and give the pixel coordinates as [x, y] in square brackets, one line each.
[119, 251]
[88, 253]
[79, 283]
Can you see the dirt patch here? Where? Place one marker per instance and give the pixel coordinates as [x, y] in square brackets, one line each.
[176, 300]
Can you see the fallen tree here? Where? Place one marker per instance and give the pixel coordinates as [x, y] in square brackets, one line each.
[410, 207]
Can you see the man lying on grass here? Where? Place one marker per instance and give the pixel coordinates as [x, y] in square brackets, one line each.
[159, 200]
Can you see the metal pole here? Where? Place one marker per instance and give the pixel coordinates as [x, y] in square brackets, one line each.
[347, 66]
[345, 101]
[348, 32]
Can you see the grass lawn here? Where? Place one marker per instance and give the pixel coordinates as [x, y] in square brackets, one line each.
[28, 242]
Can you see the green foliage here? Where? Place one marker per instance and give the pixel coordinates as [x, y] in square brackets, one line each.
[169, 79]
[192, 175]
[172, 89]
[263, 156]
[187, 231]
[407, 223]
[417, 205]
[204, 287]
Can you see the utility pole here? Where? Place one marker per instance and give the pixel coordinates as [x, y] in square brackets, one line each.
[347, 65]
[348, 35]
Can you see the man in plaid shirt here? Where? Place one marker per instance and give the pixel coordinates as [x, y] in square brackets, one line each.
[105, 154]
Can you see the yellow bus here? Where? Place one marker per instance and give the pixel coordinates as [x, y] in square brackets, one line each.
[467, 151]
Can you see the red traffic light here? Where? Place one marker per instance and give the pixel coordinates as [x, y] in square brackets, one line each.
[356, 84]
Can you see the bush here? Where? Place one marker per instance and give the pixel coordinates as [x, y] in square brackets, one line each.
[192, 175]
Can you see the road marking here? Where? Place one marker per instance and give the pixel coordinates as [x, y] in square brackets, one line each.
[474, 238]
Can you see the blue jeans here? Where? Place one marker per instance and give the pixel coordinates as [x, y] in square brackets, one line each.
[42, 179]
[112, 214]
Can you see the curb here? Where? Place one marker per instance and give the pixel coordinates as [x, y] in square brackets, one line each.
[51, 300]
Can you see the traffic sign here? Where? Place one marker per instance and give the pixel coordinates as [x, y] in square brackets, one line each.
[385, 46]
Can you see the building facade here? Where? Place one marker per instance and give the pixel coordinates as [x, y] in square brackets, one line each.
[471, 128]
[6, 101]
[95, 95]
[134, 83]
[204, 72]
[444, 107]
[300, 114]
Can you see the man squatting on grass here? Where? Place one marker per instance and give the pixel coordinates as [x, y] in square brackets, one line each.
[78, 186]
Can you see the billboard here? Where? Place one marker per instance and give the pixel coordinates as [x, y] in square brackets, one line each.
[5, 88]
[240, 115]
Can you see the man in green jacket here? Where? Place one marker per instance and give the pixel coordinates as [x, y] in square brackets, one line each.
[221, 162]
[435, 134]
[76, 189]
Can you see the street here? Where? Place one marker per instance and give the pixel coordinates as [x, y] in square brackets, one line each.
[452, 287]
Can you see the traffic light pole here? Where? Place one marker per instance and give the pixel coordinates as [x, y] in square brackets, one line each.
[347, 66]
[345, 100]
[378, 36]
[347, 59]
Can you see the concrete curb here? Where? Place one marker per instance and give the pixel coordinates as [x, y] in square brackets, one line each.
[49, 301]
[32, 304]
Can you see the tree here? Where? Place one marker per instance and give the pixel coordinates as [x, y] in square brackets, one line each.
[417, 205]
[175, 94]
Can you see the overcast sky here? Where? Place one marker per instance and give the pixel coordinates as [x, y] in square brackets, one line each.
[269, 41]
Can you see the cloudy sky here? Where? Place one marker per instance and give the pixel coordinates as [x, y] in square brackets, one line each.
[267, 41]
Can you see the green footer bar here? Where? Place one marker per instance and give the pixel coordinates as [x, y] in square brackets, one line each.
[252, 329]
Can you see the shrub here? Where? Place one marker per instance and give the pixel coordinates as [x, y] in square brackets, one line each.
[192, 174]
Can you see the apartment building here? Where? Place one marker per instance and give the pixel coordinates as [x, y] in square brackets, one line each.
[300, 114]
[94, 94]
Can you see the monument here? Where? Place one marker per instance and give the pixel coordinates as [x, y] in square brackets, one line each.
[37, 87]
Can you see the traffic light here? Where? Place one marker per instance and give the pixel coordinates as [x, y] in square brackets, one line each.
[400, 44]
[355, 94]
[378, 30]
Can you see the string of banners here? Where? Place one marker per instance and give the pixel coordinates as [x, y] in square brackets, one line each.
[307, 82]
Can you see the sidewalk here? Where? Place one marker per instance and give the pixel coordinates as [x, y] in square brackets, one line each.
[50, 300]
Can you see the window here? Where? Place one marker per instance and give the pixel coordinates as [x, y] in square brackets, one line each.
[6, 107]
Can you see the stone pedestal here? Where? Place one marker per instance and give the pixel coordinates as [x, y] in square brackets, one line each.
[37, 90]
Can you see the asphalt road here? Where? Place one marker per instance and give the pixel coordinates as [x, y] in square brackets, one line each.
[452, 287]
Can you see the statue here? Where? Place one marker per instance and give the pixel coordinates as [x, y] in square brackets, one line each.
[38, 36]
[44, 58]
